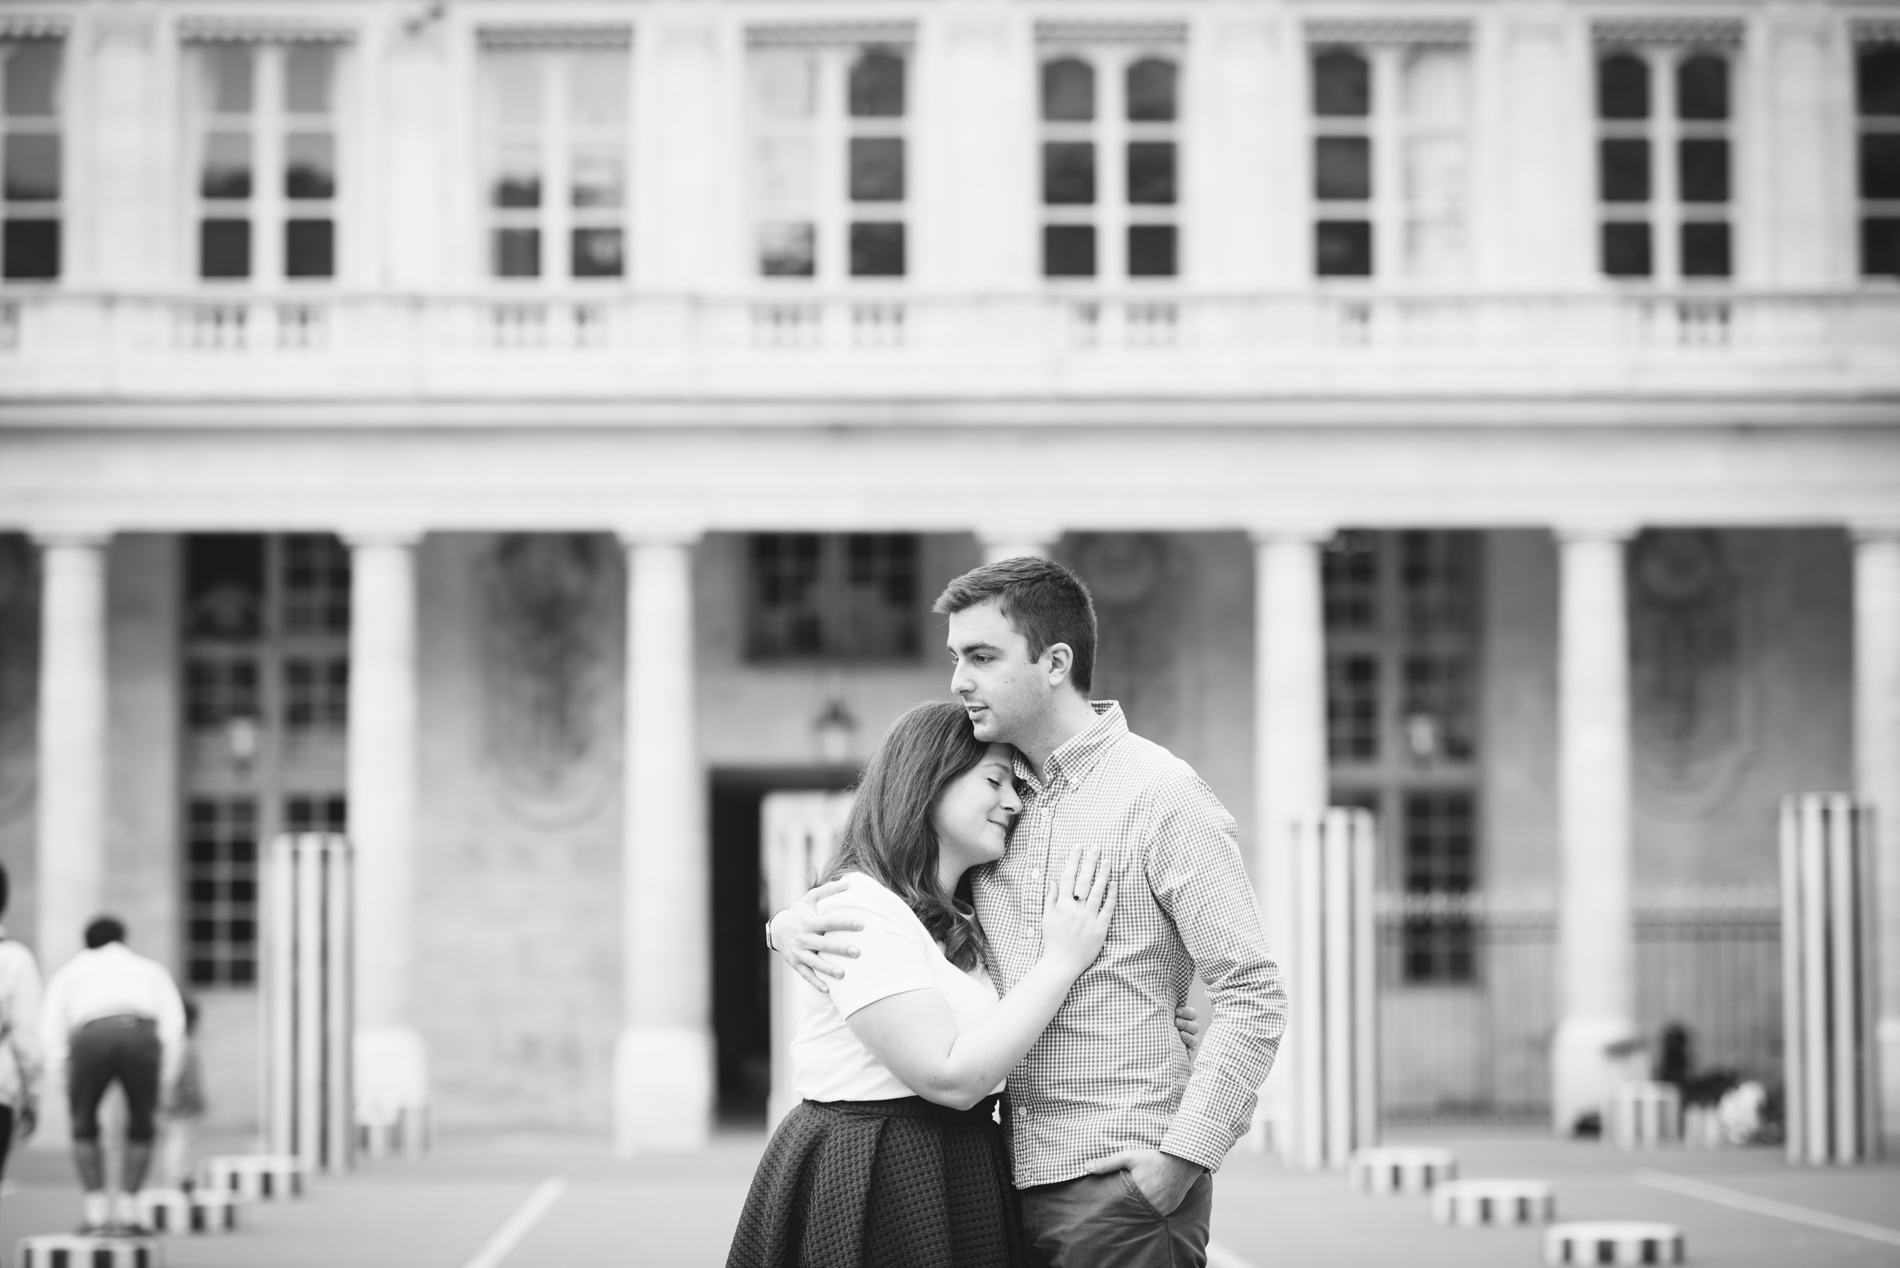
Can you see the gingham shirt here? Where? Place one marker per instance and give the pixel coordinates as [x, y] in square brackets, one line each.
[1111, 1072]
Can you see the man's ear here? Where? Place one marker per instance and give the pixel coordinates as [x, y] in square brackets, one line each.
[1061, 660]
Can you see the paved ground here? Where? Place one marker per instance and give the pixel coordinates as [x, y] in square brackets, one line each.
[679, 1210]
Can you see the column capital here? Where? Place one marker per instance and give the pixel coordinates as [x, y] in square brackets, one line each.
[1604, 530]
[1010, 543]
[684, 538]
[1313, 531]
[1874, 531]
[69, 535]
[357, 538]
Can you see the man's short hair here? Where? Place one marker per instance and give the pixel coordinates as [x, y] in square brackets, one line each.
[104, 930]
[1042, 600]
[6, 887]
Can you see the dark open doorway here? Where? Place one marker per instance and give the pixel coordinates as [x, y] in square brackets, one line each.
[741, 983]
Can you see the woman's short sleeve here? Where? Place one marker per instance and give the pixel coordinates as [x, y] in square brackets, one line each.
[893, 955]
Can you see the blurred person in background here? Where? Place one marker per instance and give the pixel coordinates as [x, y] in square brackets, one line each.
[20, 1065]
[183, 1110]
[113, 1016]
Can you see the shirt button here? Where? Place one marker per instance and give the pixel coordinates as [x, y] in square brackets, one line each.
[1035, 873]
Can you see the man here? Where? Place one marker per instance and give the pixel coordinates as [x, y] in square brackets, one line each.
[1114, 1132]
[20, 1063]
[112, 1016]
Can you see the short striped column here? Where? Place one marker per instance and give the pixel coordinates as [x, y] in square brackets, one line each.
[1493, 1203]
[1613, 1242]
[254, 1177]
[175, 1211]
[82, 1250]
[1391, 1170]
[1643, 1115]
[400, 1133]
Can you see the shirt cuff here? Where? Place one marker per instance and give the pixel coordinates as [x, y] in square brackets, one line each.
[1214, 1114]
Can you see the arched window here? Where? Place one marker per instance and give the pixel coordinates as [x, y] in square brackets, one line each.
[1068, 90]
[1150, 91]
[1109, 166]
[1664, 187]
[1877, 96]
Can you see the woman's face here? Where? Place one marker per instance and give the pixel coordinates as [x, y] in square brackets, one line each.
[973, 815]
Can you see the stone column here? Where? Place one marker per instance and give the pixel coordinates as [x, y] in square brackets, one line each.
[1013, 543]
[1289, 739]
[1877, 779]
[392, 1072]
[1596, 942]
[663, 1061]
[72, 743]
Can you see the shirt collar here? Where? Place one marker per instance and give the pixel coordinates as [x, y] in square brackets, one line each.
[1072, 762]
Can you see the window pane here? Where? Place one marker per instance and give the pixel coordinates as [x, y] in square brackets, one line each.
[877, 169]
[877, 86]
[1626, 249]
[877, 249]
[784, 84]
[32, 167]
[227, 166]
[1435, 85]
[1880, 165]
[1705, 249]
[310, 165]
[517, 180]
[787, 249]
[785, 170]
[1879, 247]
[1068, 172]
[316, 585]
[1342, 248]
[1151, 90]
[1342, 85]
[224, 248]
[32, 75]
[597, 253]
[1702, 88]
[1151, 250]
[307, 70]
[309, 248]
[1068, 250]
[1151, 172]
[599, 178]
[224, 586]
[1624, 170]
[517, 252]
[228, 77]
[1876, 81]
[597, 89]
[516, 88]
[1352, 708]
[1623, 87]
[1702, 171]
[31, 248]
[1068, 90]
[1342, 167]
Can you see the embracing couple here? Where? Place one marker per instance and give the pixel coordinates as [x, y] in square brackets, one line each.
[1020, 844]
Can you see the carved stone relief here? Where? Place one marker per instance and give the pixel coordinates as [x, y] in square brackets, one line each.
[549, 635]
[19, 672]
[1137, 581]
[1688, 687]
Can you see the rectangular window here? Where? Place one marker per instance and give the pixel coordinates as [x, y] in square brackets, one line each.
[1391, 141]
[221, 839]
[1665, 189]
[1877, 101]
[316, 693]
[833, 596]
[316, 572]
[1111, 162]
[220, 689]
[1352, 708]
[1440, 857]
[318, 812]
[830, 161]
[555, 161]
[266, 173]
[32, 159]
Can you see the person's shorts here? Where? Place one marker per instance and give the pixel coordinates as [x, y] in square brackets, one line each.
[108, 1050]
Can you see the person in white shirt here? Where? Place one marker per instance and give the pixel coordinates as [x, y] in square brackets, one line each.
[20, 1064]
[113, 1016]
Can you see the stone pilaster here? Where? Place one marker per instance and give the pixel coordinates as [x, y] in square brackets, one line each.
[1877, 779]
[72, 742]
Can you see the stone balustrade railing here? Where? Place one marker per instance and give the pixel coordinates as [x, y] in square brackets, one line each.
[791, 343]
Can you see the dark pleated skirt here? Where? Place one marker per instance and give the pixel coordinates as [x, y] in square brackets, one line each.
[882, 1184]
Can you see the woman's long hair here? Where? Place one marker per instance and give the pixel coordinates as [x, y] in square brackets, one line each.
[889, 836]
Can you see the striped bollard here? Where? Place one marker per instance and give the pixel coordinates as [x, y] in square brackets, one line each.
[309, 1017]
[1394, 1170]
[1643, 1115]
[400, 1133]
[1829, 1015]
[1613, 1242]
[82, 1250]
[254, 1177]
[175, 1211]
[1493, 1203]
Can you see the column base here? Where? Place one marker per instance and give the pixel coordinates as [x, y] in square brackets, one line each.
[1588, 1058]
[663, 1088]
[392, 1073]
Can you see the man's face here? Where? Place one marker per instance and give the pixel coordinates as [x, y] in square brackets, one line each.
[1005, 693]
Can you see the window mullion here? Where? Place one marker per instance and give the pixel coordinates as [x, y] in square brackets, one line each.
[831, 136]
[557, 195]
[1111, 158]
[1665, 199]
[267, 188]
[1387, 127]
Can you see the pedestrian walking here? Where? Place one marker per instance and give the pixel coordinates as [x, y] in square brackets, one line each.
[113, 1016]
[20, 1063]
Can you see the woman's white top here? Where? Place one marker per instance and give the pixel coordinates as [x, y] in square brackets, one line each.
[895, 954]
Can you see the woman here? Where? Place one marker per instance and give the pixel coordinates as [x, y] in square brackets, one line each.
[895, 1156]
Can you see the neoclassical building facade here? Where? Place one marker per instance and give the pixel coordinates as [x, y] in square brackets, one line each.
[526, 435]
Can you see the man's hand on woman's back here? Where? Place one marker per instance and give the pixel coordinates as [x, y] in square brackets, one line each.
[798, 935]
